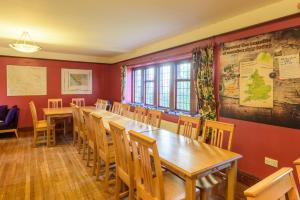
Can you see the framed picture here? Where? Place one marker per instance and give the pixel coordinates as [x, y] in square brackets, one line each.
[76, 81]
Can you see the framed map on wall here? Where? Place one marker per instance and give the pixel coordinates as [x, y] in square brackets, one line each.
[76, 81]
[26, 80]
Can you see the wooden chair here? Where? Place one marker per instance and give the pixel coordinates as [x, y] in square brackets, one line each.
[125, 110]
[101, 104]
[139, 114]
[116, 108]
[105, 150]
[215, 131]
[153, 118]
[297, 164]
[124, 160]
[188, 123]
[79, 102]
[90, 142]
[279, 185]
[81, 132]
[151, 183]
[41, 126]
[58, 103]
[55, 103]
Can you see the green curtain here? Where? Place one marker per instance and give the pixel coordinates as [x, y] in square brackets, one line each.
[202, 64]
[123, 82]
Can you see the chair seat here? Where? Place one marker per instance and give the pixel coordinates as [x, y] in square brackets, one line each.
[43, 124]
[176, 185]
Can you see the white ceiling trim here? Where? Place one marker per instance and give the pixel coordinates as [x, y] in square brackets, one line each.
[55, 56]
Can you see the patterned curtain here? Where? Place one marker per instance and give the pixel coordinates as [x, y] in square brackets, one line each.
[202, 64]
[123, 82]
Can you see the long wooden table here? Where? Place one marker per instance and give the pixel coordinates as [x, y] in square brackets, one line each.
[186, 157]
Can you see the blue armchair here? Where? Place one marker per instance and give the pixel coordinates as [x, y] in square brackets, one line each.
[9, 119]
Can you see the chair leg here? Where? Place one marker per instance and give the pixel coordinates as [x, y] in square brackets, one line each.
[131, 190]
[205, 194]
[78, 143]
[34, 137]
[54, 136]
[106, 179]
[16, 132]
[65, 128]
[88, 155]
[83, 147]
[118, 186]
[98, 168]
[95, 160]
[48, 137]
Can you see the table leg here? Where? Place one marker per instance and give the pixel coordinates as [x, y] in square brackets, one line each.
[190, 188]
[231, 180]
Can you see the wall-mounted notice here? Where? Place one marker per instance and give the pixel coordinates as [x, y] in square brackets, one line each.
[260, 78]
[26, 80]
[289, 66]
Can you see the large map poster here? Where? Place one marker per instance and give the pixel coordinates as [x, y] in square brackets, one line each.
[26, 80]
[260, 78]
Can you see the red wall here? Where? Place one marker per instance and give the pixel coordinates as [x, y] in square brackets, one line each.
[252, 140]
[100, 79]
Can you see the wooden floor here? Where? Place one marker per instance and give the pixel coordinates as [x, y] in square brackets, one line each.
[48, 173]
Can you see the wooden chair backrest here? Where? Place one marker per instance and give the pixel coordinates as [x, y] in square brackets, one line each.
[297, 164]
[74, 114]
[124, 160]
[55, 103]
[88, 125]
[217, 131]
[101, 104]
[33, 113]
[278, 185]
[153, 118]
[189, 124]
[149, 179]
[78, 118]
[125, 110]
[116, 108]
[139, 113]
[79, 102]
[101, 137]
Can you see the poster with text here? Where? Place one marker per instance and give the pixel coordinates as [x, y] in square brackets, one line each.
[260, 78]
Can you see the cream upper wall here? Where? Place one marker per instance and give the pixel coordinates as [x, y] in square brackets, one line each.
[264, 14]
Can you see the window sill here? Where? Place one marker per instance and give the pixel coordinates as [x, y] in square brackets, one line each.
[166, 110]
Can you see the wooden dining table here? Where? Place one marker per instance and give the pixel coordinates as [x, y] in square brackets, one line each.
[190, 159]
[50, 113]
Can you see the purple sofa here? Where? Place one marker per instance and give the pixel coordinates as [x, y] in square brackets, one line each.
[9, 119]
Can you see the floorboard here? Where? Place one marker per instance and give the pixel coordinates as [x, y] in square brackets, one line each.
[49, 173]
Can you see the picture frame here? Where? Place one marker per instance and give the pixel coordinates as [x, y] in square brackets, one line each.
[76, 81]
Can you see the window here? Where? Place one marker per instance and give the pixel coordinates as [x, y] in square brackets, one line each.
[183, 86]
[138, 86]
[166, 85]
[149, 85]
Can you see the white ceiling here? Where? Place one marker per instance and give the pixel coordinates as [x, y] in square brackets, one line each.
[110, 27]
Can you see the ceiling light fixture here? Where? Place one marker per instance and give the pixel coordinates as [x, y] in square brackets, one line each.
[25, 44]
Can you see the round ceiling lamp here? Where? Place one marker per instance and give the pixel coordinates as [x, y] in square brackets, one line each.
[25, 44]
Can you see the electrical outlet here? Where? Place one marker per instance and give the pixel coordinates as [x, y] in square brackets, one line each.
[271, 162]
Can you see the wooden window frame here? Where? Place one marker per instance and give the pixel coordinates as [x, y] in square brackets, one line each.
[173, 87]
